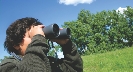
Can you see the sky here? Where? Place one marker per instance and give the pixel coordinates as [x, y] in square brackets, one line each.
[51, 11]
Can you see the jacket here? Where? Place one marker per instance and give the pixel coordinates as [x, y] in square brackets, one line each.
[36, 59]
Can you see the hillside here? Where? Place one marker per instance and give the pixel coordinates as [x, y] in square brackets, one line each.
[115, 61]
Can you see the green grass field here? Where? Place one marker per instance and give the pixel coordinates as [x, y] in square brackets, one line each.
[115, 61]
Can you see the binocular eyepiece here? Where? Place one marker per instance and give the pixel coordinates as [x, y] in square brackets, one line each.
[53, 32]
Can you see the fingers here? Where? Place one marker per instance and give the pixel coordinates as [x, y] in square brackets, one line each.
[41, 26]
[61, 28]
[36, 30]
[36, 27]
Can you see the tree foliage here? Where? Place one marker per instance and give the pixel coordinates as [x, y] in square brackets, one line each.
[55, 49]
[103, 31]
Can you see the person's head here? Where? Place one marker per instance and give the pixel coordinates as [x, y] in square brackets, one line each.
[17, 37]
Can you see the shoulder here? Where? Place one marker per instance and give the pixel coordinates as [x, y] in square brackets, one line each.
[8, 60]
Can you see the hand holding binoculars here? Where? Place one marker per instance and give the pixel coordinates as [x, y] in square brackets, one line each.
[53, 32]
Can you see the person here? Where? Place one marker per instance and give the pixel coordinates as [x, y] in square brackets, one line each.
[26, 41]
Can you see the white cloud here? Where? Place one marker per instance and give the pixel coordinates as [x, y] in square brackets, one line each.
[75, 2]
[121, 10]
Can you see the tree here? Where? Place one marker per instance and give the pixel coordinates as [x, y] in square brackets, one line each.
[129, 17]
[103, 31]
[80, 29]
[53, 50]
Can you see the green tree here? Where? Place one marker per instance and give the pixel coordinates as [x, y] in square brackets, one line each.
[129, 17]
[103, 31]
[52, 51]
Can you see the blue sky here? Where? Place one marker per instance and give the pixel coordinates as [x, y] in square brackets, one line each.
[50, 11]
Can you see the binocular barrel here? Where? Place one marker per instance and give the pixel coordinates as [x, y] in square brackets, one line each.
[53, 32]
[64, 33]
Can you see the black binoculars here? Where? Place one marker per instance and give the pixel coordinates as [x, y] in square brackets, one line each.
[53, 32]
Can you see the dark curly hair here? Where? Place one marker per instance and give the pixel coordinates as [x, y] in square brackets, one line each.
[16, 32]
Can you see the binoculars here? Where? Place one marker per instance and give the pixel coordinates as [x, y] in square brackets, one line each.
[53, 32]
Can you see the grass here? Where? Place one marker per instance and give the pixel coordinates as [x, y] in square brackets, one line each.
[115, 61]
